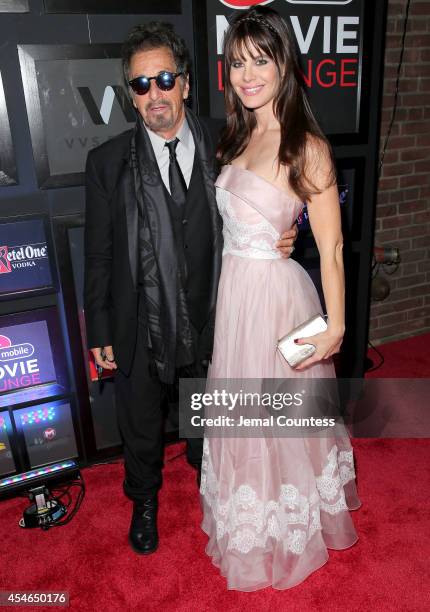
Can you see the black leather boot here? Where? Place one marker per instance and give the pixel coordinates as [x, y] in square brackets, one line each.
[143, 534]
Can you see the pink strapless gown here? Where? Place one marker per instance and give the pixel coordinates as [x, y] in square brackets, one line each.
[272, 506]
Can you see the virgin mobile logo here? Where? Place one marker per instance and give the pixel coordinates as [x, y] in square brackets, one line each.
[9, 351]
[245, 4]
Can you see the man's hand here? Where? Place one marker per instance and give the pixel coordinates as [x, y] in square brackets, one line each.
[286, 243]
[103, 356]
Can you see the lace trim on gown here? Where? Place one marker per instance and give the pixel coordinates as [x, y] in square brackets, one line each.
[292, 518]
[255, 241]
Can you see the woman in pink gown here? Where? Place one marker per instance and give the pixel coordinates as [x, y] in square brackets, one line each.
[274, 505]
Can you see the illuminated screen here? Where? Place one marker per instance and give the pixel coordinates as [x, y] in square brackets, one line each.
[48, 432]
[25, 356]
[32, 360]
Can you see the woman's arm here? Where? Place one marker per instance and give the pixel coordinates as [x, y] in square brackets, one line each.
[325, 221]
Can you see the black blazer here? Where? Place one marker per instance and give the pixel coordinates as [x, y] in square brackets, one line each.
[110, 297]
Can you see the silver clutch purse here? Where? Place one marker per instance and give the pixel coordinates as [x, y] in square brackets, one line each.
[296, 353]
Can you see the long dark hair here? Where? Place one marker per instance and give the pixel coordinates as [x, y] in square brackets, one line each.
[264, 29]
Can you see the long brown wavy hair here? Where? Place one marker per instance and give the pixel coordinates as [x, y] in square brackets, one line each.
[265, 30]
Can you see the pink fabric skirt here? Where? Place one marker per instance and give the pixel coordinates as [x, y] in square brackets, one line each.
[272, 506]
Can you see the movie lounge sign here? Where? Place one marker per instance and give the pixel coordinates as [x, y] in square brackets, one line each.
[329, 39]
[25, 356]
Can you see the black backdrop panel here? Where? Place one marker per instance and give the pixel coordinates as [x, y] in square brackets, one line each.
[340, 45]
[39, 161]
[101, 392]
[50, 44]
[76, 99]
[7, 156]
[147, 7]
[329, 38]
[350, 182]
[96, 407]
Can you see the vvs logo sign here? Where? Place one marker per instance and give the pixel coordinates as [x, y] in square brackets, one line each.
[101, 116]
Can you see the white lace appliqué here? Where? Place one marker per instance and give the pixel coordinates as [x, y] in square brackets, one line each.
[244, 239]
[292, 518]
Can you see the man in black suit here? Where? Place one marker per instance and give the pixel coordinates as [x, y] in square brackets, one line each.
[153, 248]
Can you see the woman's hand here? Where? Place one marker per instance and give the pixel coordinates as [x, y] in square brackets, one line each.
[327, 344]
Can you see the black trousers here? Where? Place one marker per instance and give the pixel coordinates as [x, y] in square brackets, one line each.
[139, 399]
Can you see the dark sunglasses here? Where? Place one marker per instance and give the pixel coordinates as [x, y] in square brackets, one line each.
[165, 81]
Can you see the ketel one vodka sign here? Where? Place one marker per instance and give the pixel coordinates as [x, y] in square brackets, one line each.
[25, 356]
[24, 257]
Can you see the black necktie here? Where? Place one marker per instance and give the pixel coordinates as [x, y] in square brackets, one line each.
[178, 187]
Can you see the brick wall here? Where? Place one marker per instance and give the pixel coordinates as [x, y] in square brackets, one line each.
[403, 204]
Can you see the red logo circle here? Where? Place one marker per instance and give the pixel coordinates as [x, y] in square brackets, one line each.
[244, 4]
[5, 342]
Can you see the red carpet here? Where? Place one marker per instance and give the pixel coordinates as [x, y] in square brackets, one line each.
[408, 358]
[387, 569]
